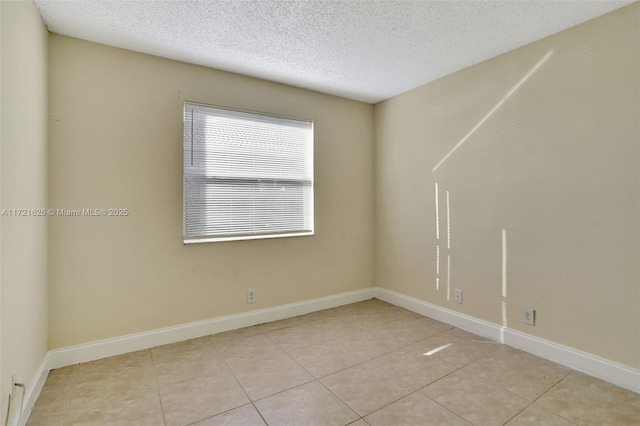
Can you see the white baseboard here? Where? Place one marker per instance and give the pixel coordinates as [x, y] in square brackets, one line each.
[31, 392]
[134, 342]
[615, 373]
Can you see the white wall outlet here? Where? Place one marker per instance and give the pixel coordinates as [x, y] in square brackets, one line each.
[458, 296]
[251, 295]
[528, 316]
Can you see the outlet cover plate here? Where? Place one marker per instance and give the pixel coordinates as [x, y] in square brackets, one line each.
[458, 296]
[251, 295]
[528, 316]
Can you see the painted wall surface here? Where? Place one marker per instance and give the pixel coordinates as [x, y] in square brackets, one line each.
[116, 142]
[543, 143]
[23, 178]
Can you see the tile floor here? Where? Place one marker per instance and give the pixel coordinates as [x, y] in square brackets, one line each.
[369, 363]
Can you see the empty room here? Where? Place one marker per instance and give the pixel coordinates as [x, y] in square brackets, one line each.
[319, 212]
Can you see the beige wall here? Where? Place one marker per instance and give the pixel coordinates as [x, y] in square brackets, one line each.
[556, 165]
[23, 178]
[116, 141]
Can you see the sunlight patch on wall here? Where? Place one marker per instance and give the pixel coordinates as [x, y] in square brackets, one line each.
[437, 215]
[437, 267]
[504, 263]
[449, 277]
[496, 107]
[504, 285]
[448, 223]
[437, 238]
[440, 247]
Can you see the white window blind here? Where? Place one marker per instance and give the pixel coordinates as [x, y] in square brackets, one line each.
[246, 175]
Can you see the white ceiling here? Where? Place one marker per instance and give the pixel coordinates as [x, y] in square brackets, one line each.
[367, 50]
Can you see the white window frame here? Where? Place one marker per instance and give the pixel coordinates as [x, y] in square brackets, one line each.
[267, 189]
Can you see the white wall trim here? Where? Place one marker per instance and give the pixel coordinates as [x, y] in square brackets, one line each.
[138, 341]
[32, 392]
[610, 371]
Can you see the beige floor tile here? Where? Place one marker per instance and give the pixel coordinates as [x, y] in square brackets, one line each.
[456, 350]
[533, 415]
[248, 348]
[462, 334]
[309, 404]
[49, 408]
[270, 375]
[330, 321]
[143, 410]
[234, 334]
[475, 400]
[367, 345]
[130, 363]
[241, 416]
[53, 400]
[278, 325]
[135, 365]
[298, 337]
[39, 419]
[368, 319]
[359, 422]
[325, 358]
[366, 389]
[606, 389]
[396, 313]
[96, 384]
[524, 374]
[183, 348]
[183, 361]
[581, 405]
[197, 399]
[412, 367]
[319, 315]
[62, 377]
[407, 332]
[415, 409]
[333, 328]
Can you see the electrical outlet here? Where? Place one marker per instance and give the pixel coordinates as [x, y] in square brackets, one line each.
[528, 316]
[458, 296]
[251, 295]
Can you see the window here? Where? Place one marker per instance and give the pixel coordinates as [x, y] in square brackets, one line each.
[246, 175]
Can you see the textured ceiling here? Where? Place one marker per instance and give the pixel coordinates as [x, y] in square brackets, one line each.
[364, 50]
